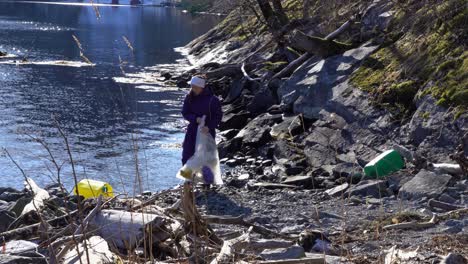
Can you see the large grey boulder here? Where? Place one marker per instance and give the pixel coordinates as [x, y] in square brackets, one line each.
[425, 184]
[294, 252]
[234, 120]
[257, 131]
[433, 127]
[261, 102]
[314, 85]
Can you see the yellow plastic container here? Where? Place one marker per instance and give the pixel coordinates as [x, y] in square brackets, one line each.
[91, 188]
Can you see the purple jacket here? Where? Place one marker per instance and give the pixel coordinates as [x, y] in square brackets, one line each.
[204, 104]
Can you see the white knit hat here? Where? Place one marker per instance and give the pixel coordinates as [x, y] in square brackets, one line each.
[197, 81]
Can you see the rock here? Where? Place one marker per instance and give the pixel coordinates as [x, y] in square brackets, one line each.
[226, 148]
[11, 259]
[235, 89]
[404, 152]
[166, 75]
[3, 205]
[440, 132]
[294, 170]
[11, 196]
[18, 206]
[257, 132]
[338, 190]
[447, 199]
[8, 189]
[328, 259]
[6, 218]
[452, 230]
[374, 188]
[20, 247]
[453, 222]
[284, 151]
[234, 120]
[223, 160]
[454, 258]
[292, 229]
[316, 83]
[232, 162]
[229, 134]
[303, 181]
[261, 102]
[346, 170]
[267, 162]
[250, 161]
[425, 184]
[322, 246]
[319, 155]
[289, 127]
[294, 252]
[233, 45]
[236, 182]
[244, 177]
[182, 84]
[240, 160]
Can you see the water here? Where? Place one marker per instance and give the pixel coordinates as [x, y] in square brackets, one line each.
[115, 115]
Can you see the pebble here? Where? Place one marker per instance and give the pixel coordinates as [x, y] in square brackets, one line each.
[453, 222]
[231, 162]
[267, 162]
[447, 198]
[244, 177]
[453, 229]
[251, 160]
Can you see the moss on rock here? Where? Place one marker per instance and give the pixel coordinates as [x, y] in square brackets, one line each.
[430, 57]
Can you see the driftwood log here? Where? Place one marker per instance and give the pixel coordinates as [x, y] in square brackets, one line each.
[444, 206]
[412, 225]
[321, 47]
[125, 230]
[288, 70]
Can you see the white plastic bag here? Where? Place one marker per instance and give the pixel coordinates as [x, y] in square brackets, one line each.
[206, 155]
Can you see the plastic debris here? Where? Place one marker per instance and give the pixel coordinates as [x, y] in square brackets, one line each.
[203, 166]
[384, 164]
[92, 188]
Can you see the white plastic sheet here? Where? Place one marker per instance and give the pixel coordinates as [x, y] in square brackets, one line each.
[206, 155]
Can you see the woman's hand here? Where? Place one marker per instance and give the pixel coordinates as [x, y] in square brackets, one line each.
[205, 130]
[199, 119]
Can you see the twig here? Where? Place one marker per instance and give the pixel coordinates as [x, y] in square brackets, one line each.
[412, 225]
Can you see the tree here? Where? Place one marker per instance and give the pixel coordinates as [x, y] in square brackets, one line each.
[270, 16]
[280, 14]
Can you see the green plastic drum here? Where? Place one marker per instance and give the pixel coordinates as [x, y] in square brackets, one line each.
[384, 164]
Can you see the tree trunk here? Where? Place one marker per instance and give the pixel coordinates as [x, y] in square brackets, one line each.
[305, 9]
[269, 14]
[281, 15]
[322, 47]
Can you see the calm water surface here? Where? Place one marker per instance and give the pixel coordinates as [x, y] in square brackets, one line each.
[114, 114]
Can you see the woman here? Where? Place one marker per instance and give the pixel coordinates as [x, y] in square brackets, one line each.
[198, 103]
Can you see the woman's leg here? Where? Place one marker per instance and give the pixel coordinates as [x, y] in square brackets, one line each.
[188, 147]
